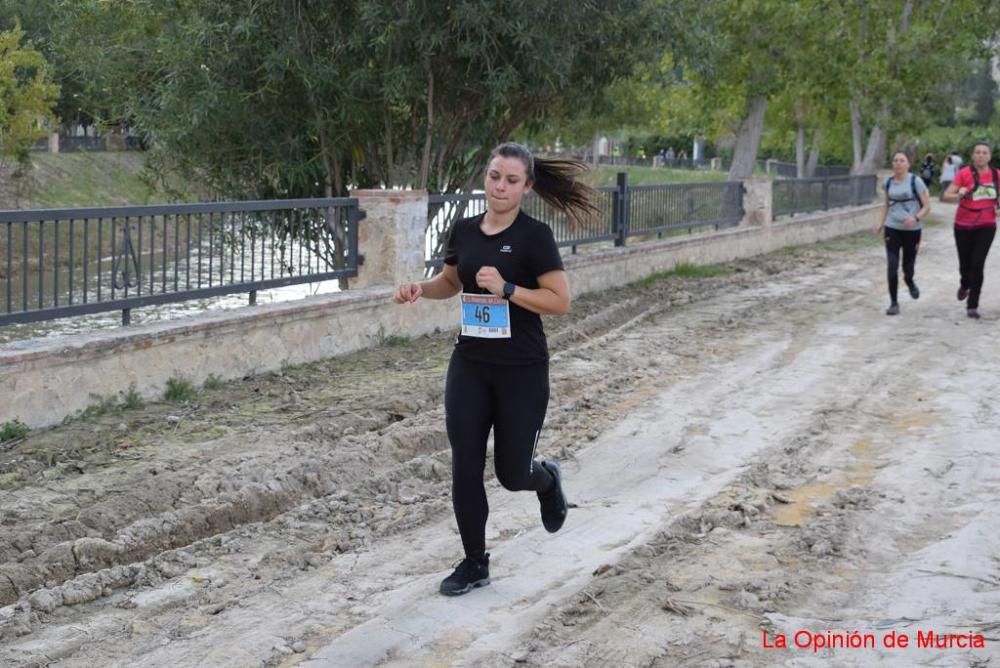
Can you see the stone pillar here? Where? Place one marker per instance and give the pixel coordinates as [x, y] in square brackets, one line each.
[53, 142]
[757, 201]
[716, 164]
[769, 166]
[391, 237]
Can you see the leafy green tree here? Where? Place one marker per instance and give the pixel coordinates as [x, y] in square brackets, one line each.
[28, 96]
[292, 97]
[36, 18]
[984, 97]
[894, 57]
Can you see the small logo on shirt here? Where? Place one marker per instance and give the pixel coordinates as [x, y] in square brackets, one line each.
[506, 249]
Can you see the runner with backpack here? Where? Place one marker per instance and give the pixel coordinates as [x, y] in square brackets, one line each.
[927, 170]
[975, 189]
[907, 203]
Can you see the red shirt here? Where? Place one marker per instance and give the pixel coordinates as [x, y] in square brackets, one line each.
[979, 208]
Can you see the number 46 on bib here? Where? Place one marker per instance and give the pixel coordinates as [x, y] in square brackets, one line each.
[485, 316]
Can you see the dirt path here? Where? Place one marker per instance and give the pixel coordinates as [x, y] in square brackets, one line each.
[761, 451]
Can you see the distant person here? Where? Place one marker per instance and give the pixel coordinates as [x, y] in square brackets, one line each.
[682, 155]
[507, 267]
[948, 169]
[670, 153]
[907, 203]
[927, 170]
[975, 189]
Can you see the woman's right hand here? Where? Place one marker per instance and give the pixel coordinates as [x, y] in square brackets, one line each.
[407, 293]
[963, 191]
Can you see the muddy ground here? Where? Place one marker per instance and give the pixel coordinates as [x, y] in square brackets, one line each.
[754, 454]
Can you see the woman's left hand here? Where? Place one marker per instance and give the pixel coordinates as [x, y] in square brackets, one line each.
[490, 279]
[910, 221]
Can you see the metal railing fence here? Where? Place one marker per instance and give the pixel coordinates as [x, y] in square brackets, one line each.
[61, 262]
[789, 170]
[791, 196]
[623, 211]
[683, 207]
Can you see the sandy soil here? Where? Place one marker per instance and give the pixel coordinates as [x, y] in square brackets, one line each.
[756, 455]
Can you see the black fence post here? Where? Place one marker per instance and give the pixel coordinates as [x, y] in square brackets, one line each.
[354, 217]
[619, 205]
[826, 193]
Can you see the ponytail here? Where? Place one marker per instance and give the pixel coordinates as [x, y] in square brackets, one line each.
[555, 180]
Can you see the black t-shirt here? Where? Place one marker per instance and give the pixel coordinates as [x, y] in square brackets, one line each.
[521, 253]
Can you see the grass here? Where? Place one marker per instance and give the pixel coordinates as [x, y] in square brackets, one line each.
[13, 430]
[607, 175]
[132, 400]
[213, 382]
[101, 406]
[179, 389]
[684, 270]
[383, 340]
[10, 480]
[94, 178]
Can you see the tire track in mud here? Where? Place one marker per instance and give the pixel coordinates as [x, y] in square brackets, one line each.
[348, 479]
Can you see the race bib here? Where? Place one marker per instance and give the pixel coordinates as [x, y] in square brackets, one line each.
[485, 316]
[984, 192]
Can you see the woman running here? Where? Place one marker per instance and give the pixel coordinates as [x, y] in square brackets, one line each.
[507, 267]
[907, 203]
[975, 190]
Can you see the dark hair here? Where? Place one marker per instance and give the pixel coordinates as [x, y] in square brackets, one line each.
[988, 145]
[902, 153]
[554, 179]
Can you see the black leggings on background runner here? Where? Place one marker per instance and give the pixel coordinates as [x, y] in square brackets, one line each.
[512, 401]
[896, 240]
[973, 245]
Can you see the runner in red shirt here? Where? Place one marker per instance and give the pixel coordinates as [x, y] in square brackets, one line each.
[975, 189]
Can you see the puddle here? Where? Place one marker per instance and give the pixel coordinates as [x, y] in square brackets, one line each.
[806, 499]
[913, 421]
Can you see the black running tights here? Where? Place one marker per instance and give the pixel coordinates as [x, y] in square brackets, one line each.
[906, 241]
[512, 401]
[973, 245]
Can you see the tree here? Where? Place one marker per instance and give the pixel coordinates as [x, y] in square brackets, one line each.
[293, 97]
[36, 19]
[28, 97]
[894, 56]
[735, 59]
[984, 96]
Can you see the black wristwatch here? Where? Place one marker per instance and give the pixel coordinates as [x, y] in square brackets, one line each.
[508, 289]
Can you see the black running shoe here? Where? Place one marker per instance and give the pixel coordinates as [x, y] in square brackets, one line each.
[892, 310]
[914, 290]
[972, 313]
[962, 294]
[553, 502]
[469, 574]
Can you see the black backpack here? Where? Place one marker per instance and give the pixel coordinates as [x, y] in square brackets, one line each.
[913, 189]
[927, 172]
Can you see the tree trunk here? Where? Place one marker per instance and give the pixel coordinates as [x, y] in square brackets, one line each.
[877, 142]
[425, 161]
[875, 151]
[800, 151]
[814, 153]
[748, 140]
[857, 132]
